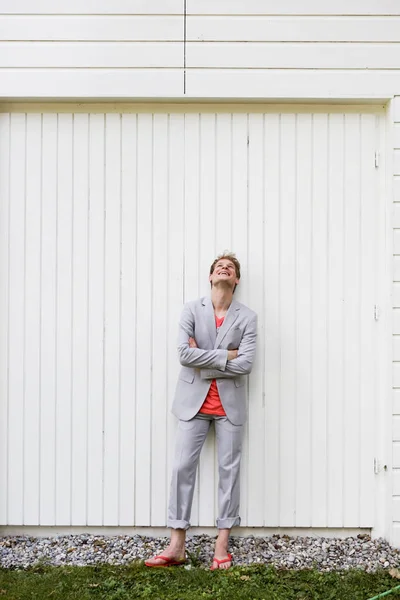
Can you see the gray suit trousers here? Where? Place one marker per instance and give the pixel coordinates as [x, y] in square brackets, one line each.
[189, 442]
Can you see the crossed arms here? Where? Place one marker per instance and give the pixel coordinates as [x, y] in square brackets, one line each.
[218, 363]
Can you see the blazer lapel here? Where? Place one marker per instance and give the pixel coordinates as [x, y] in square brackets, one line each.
[210, 319]
[230, 318]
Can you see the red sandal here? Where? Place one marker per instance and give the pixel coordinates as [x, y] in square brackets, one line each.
[220, 561]
[169, 562]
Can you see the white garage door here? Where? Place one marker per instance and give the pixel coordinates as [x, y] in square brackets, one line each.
[108, 223]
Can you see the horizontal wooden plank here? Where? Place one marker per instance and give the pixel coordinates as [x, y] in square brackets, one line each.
[396, 277]
[182, 107]
[79, 28]
[395, 536]
[396, 349]
[396, 108]
[272, 55]
[91, 83]
[288, 83]
[243, 85]
[396, 295]
[396, 457]
[293, 29]
[396, 325]
[289, 7]
[91, 54]
[87, 7]
[396, 402]
[396, 429]
[397, 136]
[396, 241]
[396, 482]
[396, 503]
[204, 7]
[396, 373]
[396, 189]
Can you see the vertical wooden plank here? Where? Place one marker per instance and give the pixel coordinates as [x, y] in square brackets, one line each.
[4, 308]
[319, 326]
[48, 381]
[351, 325]
[80, 320]
[387, 295]
[303, 320]
[16, 316]
[112, 282]
[128, 317]
[175, 283]
[207, 467]
[334, 311]
[207, 192]
[144, 321]
[287, 322]
[223, 216]
[223, 169]
[32, 317]
[192, 275]
[95, 325]
[239, 201]
[272, 320]
[160, 319]
[192, 237]
[64, 320]
[237, 139]
[368, 333]
[256, 294]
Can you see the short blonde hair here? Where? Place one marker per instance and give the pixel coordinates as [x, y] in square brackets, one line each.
[229, 256]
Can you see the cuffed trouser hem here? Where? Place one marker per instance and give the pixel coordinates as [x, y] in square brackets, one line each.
[228, 523]
[176, 524]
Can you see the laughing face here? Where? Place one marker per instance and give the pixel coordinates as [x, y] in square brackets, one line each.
[224, 273]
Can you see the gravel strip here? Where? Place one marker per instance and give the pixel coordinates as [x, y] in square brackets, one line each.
[324, 554]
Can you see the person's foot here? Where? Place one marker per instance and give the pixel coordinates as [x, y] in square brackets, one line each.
[222, 558]
[221, 562]
[170, 555]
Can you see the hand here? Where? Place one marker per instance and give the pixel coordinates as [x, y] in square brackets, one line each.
[232, 354]
[192, 343]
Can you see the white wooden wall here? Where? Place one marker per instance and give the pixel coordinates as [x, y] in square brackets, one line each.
[108, 223]
[396, 326]
[137, 49]
[92, 48]
[199, 48]
[259, 48]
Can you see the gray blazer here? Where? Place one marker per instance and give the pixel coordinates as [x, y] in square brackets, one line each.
[210, 360]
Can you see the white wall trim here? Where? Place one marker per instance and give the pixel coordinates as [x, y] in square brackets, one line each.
[383, 445]
[46, 531]
[189, 107]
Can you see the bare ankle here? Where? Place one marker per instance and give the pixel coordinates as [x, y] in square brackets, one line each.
[178, 539]
[177, 546]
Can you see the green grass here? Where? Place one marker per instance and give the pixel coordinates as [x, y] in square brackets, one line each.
[254, 582]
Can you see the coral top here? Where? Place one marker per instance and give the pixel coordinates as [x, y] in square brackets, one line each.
[212, 404]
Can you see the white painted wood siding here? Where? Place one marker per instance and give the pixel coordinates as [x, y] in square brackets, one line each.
[396, 325]
[92, 48]
[262, 48]
[109, 222]
[200, 49]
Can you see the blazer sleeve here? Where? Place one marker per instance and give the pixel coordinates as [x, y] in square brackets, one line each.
[243, 364]
[196, 357]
